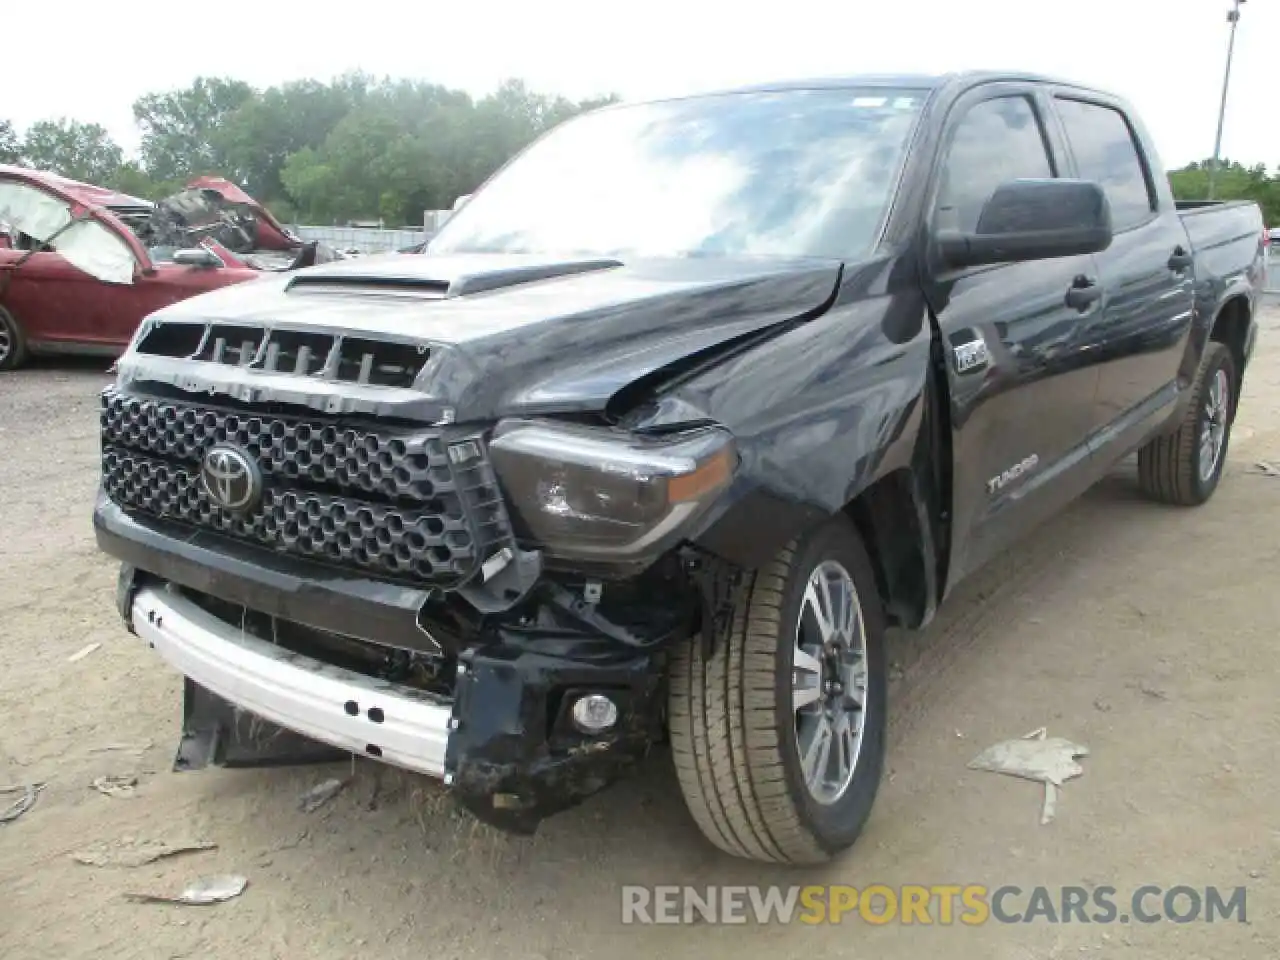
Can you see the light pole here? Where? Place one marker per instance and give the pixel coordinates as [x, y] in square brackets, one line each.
[1233, 18]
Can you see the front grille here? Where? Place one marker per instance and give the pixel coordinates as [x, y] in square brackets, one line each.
[390, 503]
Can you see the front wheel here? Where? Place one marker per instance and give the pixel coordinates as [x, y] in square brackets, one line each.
[1184, 467]
[778, 737]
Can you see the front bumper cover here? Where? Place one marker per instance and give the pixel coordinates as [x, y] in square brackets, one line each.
[502, 743]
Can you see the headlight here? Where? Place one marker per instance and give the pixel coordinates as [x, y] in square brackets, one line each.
[595, 493]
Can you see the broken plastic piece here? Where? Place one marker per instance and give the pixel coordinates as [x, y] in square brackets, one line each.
[200, 892]
[1047, 760]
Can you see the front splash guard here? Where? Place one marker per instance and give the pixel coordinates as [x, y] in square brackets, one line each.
[218, 733]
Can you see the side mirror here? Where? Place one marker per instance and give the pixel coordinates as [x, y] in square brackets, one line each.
[196, 257]
[457, 204]
[1034, 220]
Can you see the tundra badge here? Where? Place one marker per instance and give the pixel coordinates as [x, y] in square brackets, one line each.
[1019, 469]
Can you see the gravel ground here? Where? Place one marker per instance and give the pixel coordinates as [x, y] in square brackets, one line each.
[1147, 633]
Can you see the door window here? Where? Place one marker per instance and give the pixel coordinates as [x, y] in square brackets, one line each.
[1106, 153]
[84, 243]
[995, 141]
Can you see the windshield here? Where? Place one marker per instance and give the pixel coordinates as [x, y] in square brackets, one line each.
[780, 174]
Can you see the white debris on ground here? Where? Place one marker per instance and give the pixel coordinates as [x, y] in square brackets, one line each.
[132, 852]
[199, 892]
[116, 786]
[1036, 756]
[83, 652]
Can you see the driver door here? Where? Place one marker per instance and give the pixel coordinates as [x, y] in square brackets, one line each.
[70, 274]
[1022, 387]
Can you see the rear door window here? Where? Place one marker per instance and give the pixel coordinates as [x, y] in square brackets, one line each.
[1107, 153]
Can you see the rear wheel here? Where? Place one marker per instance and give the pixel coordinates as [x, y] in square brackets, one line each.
[13, 345]
[778, 736]
[1184, 467]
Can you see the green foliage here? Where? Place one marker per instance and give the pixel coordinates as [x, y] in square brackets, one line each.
[258, 137]
[408, 147]
[356, 148]
[80, 151]
[10, 151]
[180, 127]
[1233, 181]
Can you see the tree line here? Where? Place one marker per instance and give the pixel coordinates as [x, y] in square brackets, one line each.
[366, 148]
[312, 152]
[1233, 181]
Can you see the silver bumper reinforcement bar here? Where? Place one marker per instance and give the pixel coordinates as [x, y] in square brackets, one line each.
[397, 724]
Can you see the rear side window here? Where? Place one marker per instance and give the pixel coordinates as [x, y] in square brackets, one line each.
[994, 141]
[1106, 153]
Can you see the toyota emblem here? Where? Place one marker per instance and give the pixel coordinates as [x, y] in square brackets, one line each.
[231, 478]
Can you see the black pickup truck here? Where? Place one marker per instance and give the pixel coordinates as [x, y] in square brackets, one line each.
[671, 421]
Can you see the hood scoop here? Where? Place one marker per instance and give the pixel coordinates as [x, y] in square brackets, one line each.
[412, 280]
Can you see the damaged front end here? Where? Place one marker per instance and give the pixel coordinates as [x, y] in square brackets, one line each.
[508, 736]
[492, 607]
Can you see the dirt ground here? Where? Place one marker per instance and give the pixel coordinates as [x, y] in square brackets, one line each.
[1146, 633]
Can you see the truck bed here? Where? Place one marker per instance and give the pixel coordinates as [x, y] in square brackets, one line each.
[1225, 234]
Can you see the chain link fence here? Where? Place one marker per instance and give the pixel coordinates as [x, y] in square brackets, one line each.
[365, 240]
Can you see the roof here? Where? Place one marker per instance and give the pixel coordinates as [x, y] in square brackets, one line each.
[912, 81]
[86, 193]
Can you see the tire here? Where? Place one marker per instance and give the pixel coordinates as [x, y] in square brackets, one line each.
[1170, 467]
[735, 738]
[13, 345]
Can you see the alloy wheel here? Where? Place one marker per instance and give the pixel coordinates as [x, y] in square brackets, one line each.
[1213, 427]
[829, 682]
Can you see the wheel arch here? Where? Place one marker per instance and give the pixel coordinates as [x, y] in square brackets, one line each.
[20, 349]
[1231, 328]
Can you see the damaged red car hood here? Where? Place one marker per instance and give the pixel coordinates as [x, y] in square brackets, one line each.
[212, 201]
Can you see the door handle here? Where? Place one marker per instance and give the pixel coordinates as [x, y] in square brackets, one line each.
[1180, 260]
[1084, 293]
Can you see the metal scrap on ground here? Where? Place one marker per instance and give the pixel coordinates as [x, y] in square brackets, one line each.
[1036, 756]
[1267, 468]
[30, 792]
[198, 892]
[131, 852]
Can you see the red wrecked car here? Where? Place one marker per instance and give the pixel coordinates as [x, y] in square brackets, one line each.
[81, 266]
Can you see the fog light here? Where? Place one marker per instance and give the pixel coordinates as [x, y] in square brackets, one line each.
[594, 713]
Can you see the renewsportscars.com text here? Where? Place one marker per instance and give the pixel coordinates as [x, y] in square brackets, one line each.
[941, 904]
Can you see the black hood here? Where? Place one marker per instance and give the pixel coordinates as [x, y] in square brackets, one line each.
[491, 335]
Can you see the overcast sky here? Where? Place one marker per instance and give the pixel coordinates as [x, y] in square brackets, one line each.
[1165, 55]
